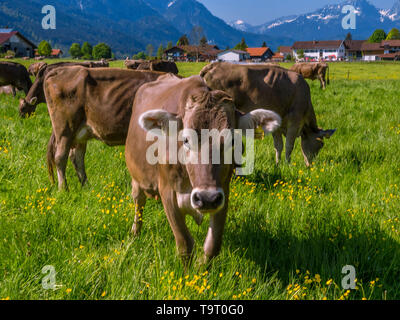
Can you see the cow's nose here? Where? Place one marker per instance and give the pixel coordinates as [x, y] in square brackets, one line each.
[208, 200]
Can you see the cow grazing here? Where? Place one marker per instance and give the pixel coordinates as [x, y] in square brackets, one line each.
[279, 90]
[36, 94]
[313, 71]
[84, 104]
[97, 64]
[133, 64]
[159, 65]
[8, 90]
[35, 67]
[185, 189]
[15, 74]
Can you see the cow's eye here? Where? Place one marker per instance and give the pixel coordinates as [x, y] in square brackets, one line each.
[186, 143]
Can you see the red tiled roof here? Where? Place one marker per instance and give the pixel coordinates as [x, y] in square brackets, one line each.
[354, 45]
[390, 55]
[391, 43]
[56, 52]
[257, 52]
[285, 49]
[367, 46]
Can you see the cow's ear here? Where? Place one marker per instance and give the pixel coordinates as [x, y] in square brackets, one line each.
[156, 120]
[326, 134]
[268, 120]
[33, 101]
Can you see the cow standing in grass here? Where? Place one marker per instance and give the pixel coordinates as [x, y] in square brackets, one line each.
[186, 189]
[275, 88]
[88, 104]
[313, 71]
[28, 105]
[16, 75]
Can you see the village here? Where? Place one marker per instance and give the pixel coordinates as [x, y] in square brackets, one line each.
[307, 51]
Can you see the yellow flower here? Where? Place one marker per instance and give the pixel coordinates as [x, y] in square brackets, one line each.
[103, 294]
[68, 290]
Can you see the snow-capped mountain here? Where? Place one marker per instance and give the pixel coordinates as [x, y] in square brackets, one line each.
[241, 25]
[326, 23]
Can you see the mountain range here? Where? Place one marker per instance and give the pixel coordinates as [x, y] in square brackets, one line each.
[128, 26]
[326, 23]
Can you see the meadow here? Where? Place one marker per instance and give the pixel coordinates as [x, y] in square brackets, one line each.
[289, 233]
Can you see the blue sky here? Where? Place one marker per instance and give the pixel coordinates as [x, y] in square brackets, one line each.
[261, 11]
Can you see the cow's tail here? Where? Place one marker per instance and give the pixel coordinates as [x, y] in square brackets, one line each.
[51, 156]
[329, 81]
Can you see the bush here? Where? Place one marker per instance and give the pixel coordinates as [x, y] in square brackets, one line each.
[44, 49]
[102, 51]
[140, 56]
[75, 51]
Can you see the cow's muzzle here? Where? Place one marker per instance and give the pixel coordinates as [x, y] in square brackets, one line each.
[208, 200]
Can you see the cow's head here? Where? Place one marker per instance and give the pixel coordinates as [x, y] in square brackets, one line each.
[313, 142]
[211, 110]
[26, 108]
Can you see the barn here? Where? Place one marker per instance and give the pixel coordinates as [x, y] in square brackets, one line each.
[260, 54]
[233, 56]
[15, 41]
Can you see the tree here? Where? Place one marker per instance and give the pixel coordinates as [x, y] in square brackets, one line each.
[196, 34]
[378, 36]
[75, 51]
[44, 49]
[140, 56]
[242, 45]
[169, 45]
[150, 50]
[183, 41]
[203, 41]
[264, 45]
[394, 34]
[349, 37]
[300, 54]
[160, 52]
[102, 51]
[87, 51]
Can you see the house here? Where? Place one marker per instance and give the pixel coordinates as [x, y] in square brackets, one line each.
[56, 53]
[15, 41]
[233, 55]
[391, 50]
[286, 51]
[260, 54]
[333, 50]
[278, 57]
[192, 53]
[354, 49]
[372, 51]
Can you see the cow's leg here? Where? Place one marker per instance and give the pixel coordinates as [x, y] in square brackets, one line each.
[13, 91]
[77, 156]
[183, 238]
[140, 201]
[213, 242]
[278, 143]
[292, 133]
[322, 80]
[61, 159]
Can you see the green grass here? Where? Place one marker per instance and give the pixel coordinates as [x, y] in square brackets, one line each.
[289, 233]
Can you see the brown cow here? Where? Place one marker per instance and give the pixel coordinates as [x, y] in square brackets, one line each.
[15, 74]
[279, 90]
[88, 104]
[35, 67]
[159, 65]
[133, 64]
[98, 64]
[36, 94]
[185, 189]
[313, 71]
[8, 90]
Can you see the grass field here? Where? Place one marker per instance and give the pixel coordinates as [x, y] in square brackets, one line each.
[289, 233]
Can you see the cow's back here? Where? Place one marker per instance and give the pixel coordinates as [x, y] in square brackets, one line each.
[102, 98]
